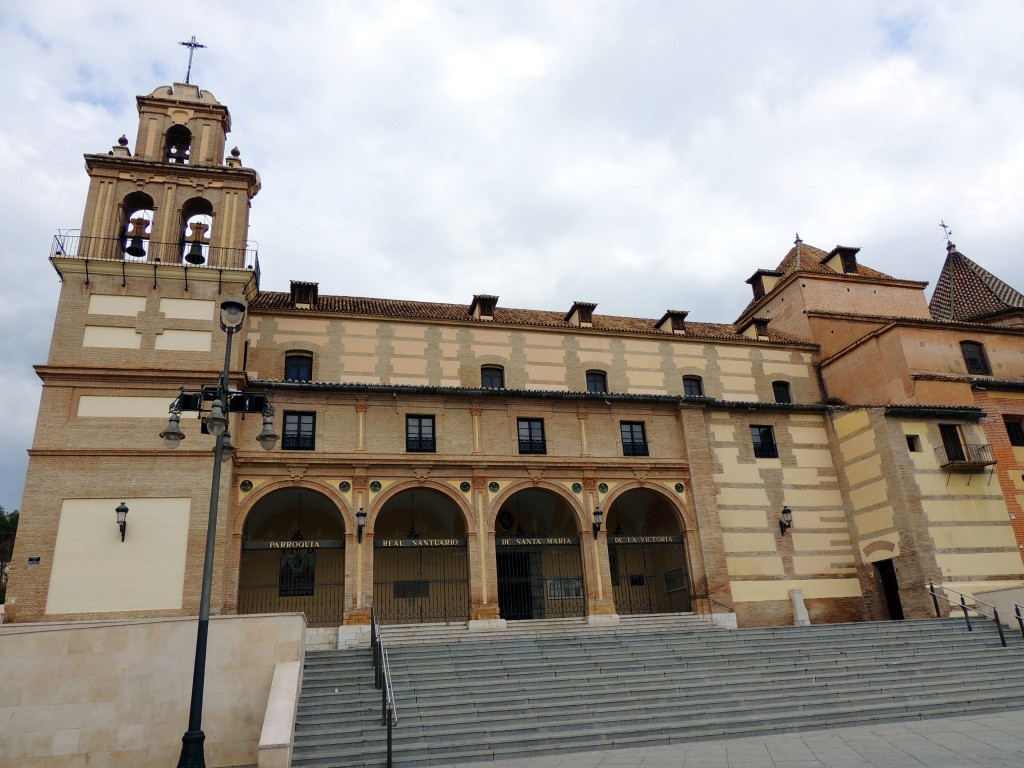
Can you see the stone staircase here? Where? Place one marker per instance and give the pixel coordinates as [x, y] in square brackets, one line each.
[561, 685]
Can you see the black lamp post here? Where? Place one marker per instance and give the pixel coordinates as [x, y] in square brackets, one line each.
[232, 312]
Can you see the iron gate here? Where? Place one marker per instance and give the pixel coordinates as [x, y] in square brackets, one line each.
[294, 576]
[649, 574]
[420, 580]
[540, 577]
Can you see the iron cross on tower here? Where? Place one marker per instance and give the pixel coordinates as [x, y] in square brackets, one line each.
[191, 45]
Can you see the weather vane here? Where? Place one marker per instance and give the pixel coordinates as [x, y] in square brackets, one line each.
[191, 45]
[949, 235]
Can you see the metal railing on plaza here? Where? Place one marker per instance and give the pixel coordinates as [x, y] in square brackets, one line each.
[968, 604]
[382, 682]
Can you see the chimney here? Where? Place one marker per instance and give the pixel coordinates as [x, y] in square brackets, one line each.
[581, 314]
[483, 306]
[673, 321]
[304, 295]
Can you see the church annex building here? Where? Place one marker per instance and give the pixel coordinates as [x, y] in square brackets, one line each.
[476, 462]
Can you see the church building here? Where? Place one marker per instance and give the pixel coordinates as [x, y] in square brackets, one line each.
[822, 458]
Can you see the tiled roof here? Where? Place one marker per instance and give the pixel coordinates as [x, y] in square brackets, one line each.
[967, 292]
[423, 310]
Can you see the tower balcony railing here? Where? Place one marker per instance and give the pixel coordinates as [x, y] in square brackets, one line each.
[142, 251]
[964, 456]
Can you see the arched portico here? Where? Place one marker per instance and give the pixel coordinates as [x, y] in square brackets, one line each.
[420, 557]
[293, 556]
[539, 560]
[647, 554]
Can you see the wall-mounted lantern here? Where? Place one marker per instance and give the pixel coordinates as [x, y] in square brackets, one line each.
[360, 524]
[598, 519]
[787, 520]
[122, 518]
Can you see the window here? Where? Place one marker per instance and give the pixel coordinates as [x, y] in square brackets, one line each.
[419, 434]
[782, 393]
[299, 431]
[531, 436]
[974, 358]
[597, 381]
[298, 367]
[492, 377]
[634, 439]
[764, 442]
[913, 443]
[1015, 429]
[693, 386]
[952, 443]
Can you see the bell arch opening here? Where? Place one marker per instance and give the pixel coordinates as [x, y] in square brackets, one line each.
[137, 211]
[539, 558]
[647, 554]
[420, 559]
[293, 557]
[197, 227]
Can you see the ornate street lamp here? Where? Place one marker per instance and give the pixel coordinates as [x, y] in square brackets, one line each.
[360, 524]
[598, 519]
[122, 518]
[787, 520]
[232, 313]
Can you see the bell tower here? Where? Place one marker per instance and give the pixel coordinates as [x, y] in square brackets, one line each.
[163, 242]
[175, 199]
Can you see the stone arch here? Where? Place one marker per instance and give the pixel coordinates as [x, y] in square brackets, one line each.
[382, 498]
[254, 498]
[684, 515]
[583, 521]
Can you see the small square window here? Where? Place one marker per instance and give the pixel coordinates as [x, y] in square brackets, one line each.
[1015, 430]
[299, 431]
[782, 392]
[597, 381]
[531, 436]
[634, 438]
[913, 443]
[693, 386]
[298, 367]
[419, 434]
[492, 377]
[764, 442]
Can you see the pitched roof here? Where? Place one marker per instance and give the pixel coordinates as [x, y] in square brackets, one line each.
[967, 292]
[423, 310]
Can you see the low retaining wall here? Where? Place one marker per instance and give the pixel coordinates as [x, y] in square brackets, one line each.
[117, 693]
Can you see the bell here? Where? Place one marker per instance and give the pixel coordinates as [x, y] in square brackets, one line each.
[135, 248]
[195, 253]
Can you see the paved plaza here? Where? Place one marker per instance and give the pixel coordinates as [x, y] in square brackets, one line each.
[990, 741]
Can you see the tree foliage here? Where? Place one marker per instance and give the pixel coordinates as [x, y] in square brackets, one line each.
[8, 528]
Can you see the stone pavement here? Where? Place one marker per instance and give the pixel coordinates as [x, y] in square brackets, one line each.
[988, 741]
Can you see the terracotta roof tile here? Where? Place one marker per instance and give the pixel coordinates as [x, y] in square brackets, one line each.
[423, 310]
[966, 292]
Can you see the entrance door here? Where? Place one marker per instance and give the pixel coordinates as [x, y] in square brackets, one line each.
[649, 574]
[420, 580]
[515, 600]
[951, 442]
[540, 577]
[890, 588]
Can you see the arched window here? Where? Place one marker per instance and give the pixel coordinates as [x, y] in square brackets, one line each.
[693, 386]
[298, 366]
[179, 144]
[137, 226]
[782, 392]
[597, 381]
[975, 359]
[492, 377]
[197, 216]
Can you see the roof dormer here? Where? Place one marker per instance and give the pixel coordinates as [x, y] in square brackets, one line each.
[763, 281]
[581, 314]
[304, 295]
[842, 259]
[756, 328]
[673, 321]
[483, 306]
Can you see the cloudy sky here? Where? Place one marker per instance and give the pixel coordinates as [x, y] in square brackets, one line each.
[643, 155]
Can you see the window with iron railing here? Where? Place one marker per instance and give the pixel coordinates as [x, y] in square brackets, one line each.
[764, 441]
[531, 436]
[634, 438]
[299, 431]
[419, 434]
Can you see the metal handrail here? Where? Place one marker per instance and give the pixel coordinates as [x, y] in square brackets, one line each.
[710, 599]
[1017, 608]
[382, 681]
[968, 608]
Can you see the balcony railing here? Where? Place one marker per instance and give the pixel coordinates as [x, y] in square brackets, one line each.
[966, 456]
[533, 446]
[142, 251]
[420, 445]
[766, 451]
[294, 442]
[635, 448]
